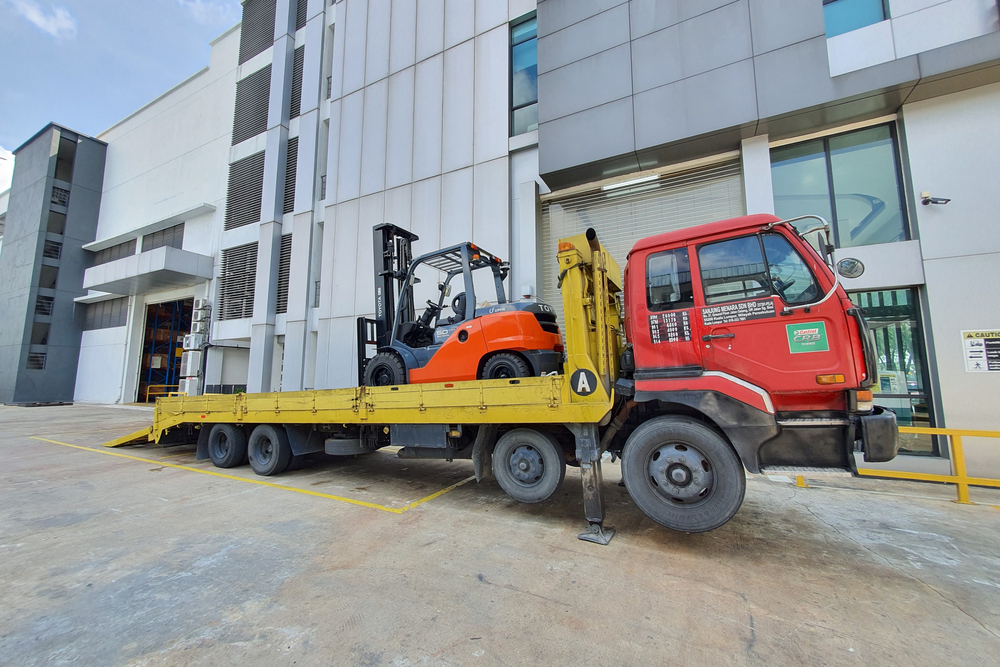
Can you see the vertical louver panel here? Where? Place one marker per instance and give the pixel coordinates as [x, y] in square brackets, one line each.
[106, 314]
[290, 168]
[243, 197]
[284, 264]
[295, 107]
[257, 29]
[252, 94]
[236, 282]
[171, 236]
[301, 14]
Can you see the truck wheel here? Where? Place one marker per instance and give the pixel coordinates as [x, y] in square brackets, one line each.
[505, 365]
[683, 474]
[227, 446]
[269, 450]
[384, 369]
[529, 465]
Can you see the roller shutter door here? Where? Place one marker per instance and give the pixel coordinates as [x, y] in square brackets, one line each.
[623, 216]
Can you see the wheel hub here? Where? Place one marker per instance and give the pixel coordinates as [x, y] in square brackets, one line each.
[681, 473]
[526, 464]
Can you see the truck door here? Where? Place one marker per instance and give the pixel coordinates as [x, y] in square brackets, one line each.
[663, 330]
[746, 283]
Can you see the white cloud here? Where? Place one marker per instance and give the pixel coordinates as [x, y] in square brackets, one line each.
[213, 12]
[56, 21]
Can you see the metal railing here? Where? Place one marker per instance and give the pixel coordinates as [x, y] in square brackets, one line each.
[161, 390]
[959, 477]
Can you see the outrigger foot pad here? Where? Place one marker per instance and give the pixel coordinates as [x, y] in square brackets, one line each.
[598, 534]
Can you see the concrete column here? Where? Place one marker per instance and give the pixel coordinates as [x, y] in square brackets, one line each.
[524, 251]
[756, 158]
[265, 294]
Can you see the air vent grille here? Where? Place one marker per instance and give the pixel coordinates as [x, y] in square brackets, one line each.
[301, 14]
[290, 168]
[43, 305]
[236, 282]
[295, 106]
[284, 265]
[246, 185]
[252, 95]
[52, 250]
[106, 314]
[172, 237]
[114, 252]
[257, 29]
[36, 361]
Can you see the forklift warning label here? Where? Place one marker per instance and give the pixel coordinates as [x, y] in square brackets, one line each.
[670, 327]
[744, 311]
[982, 351]
[807, 337]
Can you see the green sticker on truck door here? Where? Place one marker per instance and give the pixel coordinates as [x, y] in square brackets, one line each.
[807, 337]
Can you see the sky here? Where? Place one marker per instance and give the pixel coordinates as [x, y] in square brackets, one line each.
[87, 64]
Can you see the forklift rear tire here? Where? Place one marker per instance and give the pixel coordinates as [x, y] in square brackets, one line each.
[269, 450]
[505, 365]
[384, 369]
[227, 446]
[683, 474]
[529, 465]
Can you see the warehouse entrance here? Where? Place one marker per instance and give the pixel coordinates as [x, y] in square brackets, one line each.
[163, 342]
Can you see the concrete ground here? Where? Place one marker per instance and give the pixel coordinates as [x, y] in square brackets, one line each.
[108, 560]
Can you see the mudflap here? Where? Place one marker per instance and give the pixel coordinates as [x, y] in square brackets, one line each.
[202, 452]
[482, 451]
[588, 453]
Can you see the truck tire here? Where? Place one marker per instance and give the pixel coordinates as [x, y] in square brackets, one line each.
[683, 474]
[269, 450]
[505, 365]
[227, 446]
[385, 369]
[529, 465]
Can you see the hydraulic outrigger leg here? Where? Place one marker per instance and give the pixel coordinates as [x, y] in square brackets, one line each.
[588, 453]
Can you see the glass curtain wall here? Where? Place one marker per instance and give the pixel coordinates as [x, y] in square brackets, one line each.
[842, 16]
[851, 180]
[524, 76]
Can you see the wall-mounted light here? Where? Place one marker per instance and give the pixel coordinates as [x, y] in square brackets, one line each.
[634, 181]
[925, 199]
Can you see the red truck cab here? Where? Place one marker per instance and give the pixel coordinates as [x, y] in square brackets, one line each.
[743, 322]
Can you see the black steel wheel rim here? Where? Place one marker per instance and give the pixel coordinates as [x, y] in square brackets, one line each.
[265, 452]
[526, 465]
[502, 371]
[681, 474]
[221, 446]
[382, 376]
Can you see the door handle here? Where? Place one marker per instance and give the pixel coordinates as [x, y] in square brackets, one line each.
[708, 337]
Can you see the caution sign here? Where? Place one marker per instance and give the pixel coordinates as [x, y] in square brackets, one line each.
[807, 337]
[982, 351]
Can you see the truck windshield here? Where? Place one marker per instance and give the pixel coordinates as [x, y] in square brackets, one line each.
[736, 269]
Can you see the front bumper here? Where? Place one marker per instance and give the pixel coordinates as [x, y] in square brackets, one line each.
[878, 435]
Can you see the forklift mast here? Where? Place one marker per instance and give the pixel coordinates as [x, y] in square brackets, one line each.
[392, 261]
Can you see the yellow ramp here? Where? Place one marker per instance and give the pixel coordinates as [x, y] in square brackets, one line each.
[144, 435]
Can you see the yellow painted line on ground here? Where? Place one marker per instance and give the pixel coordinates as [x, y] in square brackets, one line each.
[352, 501]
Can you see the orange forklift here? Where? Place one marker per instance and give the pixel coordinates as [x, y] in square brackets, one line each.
[498, 339]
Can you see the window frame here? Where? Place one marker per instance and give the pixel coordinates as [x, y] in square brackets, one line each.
[831, 190]
[511, 109]
[672, 306]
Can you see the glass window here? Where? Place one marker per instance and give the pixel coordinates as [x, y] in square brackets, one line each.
[850, 179]
[668, 281]
[790, 276]
[902, 379]
[733, 270]
[524, 77]
[842, 16]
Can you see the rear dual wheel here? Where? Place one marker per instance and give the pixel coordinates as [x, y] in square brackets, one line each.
[529, 465]
[227, 445]
[269, 450]
[683, 474]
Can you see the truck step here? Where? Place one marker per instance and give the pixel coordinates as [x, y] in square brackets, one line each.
[793, 471]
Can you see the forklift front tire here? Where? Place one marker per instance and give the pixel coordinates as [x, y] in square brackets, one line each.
[385, 369]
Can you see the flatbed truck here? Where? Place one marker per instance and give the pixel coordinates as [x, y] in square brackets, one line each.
[724, 348]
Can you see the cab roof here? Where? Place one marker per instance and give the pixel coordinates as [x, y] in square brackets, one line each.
[744, 223]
